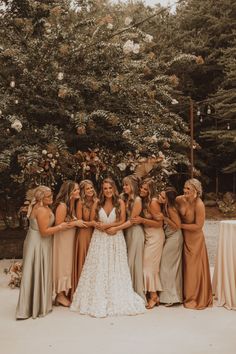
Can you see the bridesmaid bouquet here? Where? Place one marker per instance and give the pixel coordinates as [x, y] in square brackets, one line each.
[15, 273]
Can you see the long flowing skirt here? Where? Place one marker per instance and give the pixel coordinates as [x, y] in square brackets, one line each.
[105, 287]
[171, 268]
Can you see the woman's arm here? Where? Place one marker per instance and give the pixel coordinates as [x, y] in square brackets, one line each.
[137, 208]
[154, 209]
[43, 216]
[199, 218]
[174, 219]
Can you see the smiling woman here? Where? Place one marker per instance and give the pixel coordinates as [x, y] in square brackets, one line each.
[196, 272]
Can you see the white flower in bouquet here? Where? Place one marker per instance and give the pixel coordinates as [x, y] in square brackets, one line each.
[148, 38]
[60, 76]
[44, 152]
[136, 48]
[121, 166]
[110, 26]
[128, 20]
[174, 101]
[12, 84]
[17, 125]
[128, 47]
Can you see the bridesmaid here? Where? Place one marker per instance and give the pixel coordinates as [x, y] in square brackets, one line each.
[35, 297]
[88, 197]
[196, 271]
[154, 240]
[63, 245]
[134, 234]
[171, 260]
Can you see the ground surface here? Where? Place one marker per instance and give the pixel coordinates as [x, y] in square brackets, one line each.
[163, 330]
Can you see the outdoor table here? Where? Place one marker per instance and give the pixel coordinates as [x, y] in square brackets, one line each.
[224, 278]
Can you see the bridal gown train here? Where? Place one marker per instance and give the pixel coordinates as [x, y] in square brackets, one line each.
[105, 287]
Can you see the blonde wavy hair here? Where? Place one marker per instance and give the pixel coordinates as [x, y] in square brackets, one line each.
[83, 197]
[196, 184]
[37, 196]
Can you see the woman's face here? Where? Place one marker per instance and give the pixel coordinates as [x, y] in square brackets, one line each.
[144, 190]
[89, 190]
[75, 194]
[127, 188]
[189, 191]
[107, 190]
[162, 198]
[47, 199]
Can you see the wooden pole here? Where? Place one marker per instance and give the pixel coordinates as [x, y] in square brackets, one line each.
[191, 135]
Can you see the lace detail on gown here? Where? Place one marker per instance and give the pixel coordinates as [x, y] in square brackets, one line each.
[105, 287]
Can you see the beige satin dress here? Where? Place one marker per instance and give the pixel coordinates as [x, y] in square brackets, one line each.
[153, 245]
[35, 297]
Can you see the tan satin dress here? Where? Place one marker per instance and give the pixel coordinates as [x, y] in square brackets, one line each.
[153, 245]
[81, 246]
[197, 291]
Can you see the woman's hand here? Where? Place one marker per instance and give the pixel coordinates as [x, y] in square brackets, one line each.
[101, 226]
[78, 223]
[65, 225]
[112, 230]
[159, 217]
[136, 220]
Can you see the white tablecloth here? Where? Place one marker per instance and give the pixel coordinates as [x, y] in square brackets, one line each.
[224, 278]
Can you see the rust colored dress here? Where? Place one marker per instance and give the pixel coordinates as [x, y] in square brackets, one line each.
[197, 291]
[81, 246]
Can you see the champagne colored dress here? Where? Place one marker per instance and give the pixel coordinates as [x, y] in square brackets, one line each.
[82, 242]
[63, 249]
[35, 297]
[153, 245]
[171, 267]
[134, 237]
[196, 272]
[105, 287]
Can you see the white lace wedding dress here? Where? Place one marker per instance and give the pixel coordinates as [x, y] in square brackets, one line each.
[105, 287]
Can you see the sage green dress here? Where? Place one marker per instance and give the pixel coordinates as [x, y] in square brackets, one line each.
[35, 298]
[171, 267]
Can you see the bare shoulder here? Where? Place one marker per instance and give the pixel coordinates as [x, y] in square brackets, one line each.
[122, 203]
[199, 203]
[42, 211]
[137, 200]
[62, 206]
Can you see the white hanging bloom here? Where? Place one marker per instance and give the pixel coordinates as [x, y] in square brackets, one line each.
[16, 101]
[153, 139]
[44, 152]
[136, 48]
[128, 20]
[128, 46]
[121, 166]
[110, 26]
[126, 133]
[148, 38]
[12, 84]
[174, 101]
[60, 76]
[17, 125]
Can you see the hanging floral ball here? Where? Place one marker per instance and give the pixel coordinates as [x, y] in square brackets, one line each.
[166, 145]
[12, 84]
[81, 130]
[44, 152]
[16, 101]
[17, 125]
[60, 76]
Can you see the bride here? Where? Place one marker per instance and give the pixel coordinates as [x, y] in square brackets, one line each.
[105, 287]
